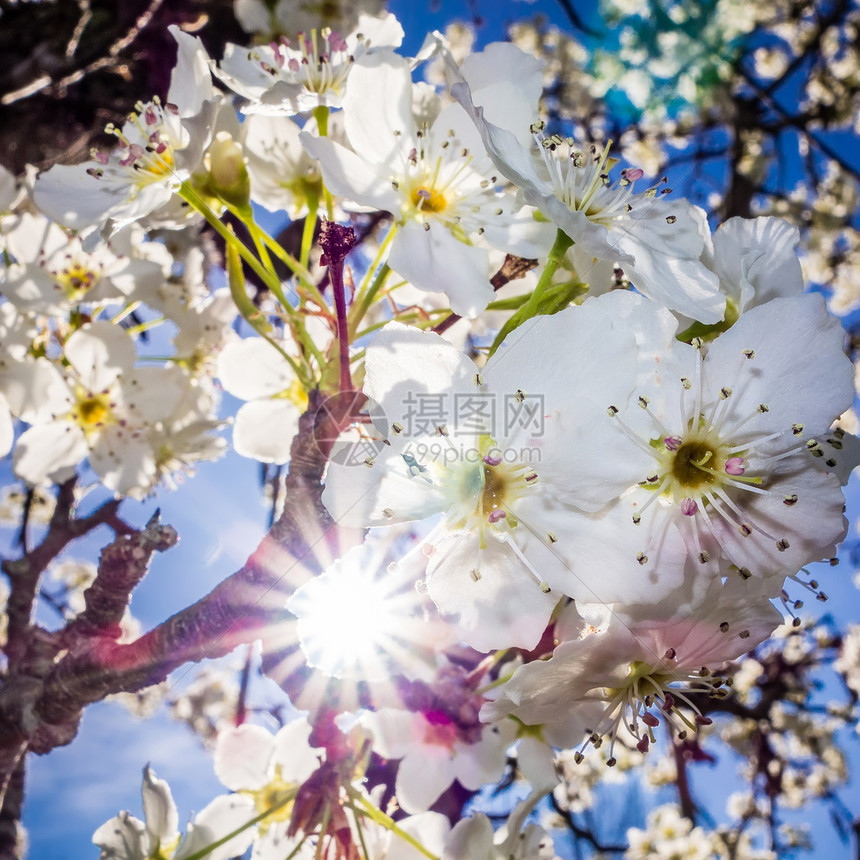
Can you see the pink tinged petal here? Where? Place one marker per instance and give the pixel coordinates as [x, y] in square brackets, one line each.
[242, 757]
[162, 818]
[264, 430]
[490, 594]
[45, 450]
[293, 752]
[434, 260]
[351, 177]
[252, 368]
[422, 777]
[223, 815]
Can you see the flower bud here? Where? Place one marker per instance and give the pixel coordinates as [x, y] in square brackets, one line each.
[226, 175]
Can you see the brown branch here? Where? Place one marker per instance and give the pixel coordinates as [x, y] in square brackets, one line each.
[10, 816]
[512, 269]
[24, 573]
[40, 708]
[685, 798]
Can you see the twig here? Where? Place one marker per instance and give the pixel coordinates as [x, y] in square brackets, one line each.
[46, 81]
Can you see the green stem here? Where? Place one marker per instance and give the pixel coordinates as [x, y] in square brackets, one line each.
[247, 218]
[323, 827]
[313, 201]
[360, 830]
[300, 271]
[388, 823]
[560, 247]
[532, 307]
[190, 196]
[367, 300]
[321, 116]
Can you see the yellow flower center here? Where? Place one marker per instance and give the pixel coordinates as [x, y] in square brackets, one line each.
[695, 465]
[75, 280]
[428, 199]
[276, 798]
[295, 394]
[91, 411]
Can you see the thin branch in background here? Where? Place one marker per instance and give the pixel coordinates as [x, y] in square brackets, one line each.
[59, 87]
[576, 20]
[86, 16]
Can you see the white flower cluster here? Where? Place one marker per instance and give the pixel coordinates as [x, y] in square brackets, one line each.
[571, 536]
